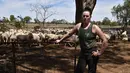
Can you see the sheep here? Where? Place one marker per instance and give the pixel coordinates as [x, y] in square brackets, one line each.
[13, 38]
[52, 37]
[124, 36]
[107, 35]
[5, 36]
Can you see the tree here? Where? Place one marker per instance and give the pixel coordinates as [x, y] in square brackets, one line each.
[17, 24]
[122, 13]
[35, 8]
[5, 19]
[61, 21]
[12, 18]
[27, 19]
[36, 20]
[82, 5]
[114, 23]
[45, 15]
[22, 22]
[98, 22]
[54, 21]
[43, 11]
[106, 21]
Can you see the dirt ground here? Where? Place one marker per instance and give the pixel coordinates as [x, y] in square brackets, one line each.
[60, 59]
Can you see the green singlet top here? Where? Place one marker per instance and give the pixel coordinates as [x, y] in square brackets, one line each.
[87, 39]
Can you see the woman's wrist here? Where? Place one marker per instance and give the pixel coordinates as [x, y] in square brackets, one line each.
[99, 53]
[61, 40]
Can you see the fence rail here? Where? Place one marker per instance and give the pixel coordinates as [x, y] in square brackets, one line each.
[14, 46]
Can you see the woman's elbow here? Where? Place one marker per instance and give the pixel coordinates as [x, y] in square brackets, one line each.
[105, 41]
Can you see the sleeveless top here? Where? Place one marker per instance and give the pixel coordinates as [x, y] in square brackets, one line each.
[87, 39]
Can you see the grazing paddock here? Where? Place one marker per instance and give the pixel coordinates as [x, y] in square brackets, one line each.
[57, 58]
[60, 58]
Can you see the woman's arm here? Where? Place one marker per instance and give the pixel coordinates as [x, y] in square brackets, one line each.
[72, 31]
[100, 33]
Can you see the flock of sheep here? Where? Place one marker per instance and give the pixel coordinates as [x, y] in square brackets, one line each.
[45, 35]
[37, 35]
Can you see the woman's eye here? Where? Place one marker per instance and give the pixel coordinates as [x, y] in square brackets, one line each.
[85, 16]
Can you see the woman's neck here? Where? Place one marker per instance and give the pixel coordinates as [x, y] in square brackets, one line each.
[85, 25]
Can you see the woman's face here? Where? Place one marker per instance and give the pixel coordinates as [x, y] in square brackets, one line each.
[86, 16]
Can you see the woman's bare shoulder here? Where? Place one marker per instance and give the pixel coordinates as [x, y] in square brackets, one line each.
[78, 25]
[95, 28]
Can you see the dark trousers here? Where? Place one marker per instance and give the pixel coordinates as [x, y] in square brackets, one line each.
[89, 60]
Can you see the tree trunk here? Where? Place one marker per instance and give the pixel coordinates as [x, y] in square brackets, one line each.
[81, 5]
[89, 4]
[79, 9]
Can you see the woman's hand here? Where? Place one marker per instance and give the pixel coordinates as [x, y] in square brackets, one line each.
[58, 41]
[96, 53]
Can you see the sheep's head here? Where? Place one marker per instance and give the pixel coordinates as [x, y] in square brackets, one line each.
[30, 36]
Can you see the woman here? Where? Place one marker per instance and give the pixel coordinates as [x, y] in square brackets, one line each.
[87, 32]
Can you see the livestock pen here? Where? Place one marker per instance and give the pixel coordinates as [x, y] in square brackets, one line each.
[57, 58]
[30, 57]
[17, 56]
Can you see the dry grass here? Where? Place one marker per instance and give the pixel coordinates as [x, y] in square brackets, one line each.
[51, 25]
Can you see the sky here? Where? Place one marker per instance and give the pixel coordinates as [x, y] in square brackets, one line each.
[63, 9]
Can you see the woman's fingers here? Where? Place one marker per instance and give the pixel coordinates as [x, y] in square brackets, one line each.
[95, 53]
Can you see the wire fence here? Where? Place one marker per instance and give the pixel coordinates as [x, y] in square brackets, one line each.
[12, 53]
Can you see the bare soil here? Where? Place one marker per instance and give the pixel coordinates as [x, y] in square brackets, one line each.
[60, 59]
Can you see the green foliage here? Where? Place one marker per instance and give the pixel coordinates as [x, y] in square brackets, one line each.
[12, 18]
[106, 21]
[27, 19]
[98, 22]
[36, 21]
[3, 27]
[21, 22]
[5, 19]
[61, 21]
[18, 24]
[114, 23]
[122, 12]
